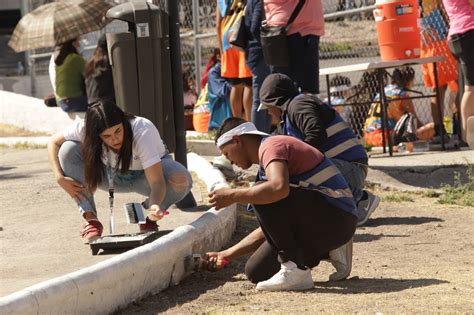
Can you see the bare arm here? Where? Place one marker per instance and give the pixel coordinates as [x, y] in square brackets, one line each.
[218, 26]
[156, 180]
[71, 186]
[274, 189]
[247, 245]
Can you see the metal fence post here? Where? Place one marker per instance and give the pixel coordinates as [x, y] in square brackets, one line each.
[197, 45]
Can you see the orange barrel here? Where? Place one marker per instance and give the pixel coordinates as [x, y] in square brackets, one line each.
[397, 29]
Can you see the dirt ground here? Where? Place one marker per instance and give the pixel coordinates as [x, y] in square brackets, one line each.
[411, 257]
[40, 226]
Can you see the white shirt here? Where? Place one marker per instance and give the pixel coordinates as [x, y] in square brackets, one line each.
[147, 147]
[52, 73]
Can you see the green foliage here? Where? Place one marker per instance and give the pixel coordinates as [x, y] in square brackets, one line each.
[210, 135]
[398, 197]
[459, 193]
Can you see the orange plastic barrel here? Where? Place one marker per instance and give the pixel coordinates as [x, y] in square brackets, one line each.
[397, 29]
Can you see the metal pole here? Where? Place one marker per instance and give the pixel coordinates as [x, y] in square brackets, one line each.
[438, 107]
[178, 103]
[197, 45]
[382, 107]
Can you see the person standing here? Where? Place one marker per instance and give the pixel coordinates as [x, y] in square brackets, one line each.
[98, 74]
[303, 40]
[255, 61]
[233, 64]
[69, 77]
[461, 44]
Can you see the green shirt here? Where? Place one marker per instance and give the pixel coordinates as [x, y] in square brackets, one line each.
[70, 77]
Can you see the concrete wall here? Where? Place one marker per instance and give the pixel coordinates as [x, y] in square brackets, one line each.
[30, 113]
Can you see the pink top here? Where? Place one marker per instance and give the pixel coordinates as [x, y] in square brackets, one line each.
[300, 156]
[310, 20]
[461, 16]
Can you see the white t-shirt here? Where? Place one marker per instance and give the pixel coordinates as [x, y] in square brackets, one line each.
[147, 148]
[52, 72]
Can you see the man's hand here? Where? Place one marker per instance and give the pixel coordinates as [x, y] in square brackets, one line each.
[72, 187]
[215, 261]
[221, 198]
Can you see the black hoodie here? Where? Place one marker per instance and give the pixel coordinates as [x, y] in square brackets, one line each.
[306, 112]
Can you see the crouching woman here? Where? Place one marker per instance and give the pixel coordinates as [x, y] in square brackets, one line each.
[111, 149]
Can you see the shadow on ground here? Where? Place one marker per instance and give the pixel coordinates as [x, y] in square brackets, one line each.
[187, 290]
[401, 221]
[357, 285]
[427, 176]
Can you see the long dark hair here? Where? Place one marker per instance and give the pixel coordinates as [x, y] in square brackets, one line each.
[99, 117]
[61, 51]
[403, 76]
[100, 59]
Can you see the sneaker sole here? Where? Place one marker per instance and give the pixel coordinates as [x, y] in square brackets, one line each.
[369, 213]
[333, 277]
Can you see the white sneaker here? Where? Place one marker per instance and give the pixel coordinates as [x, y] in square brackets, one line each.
[341, 259]
[289, 278]
[367, 206]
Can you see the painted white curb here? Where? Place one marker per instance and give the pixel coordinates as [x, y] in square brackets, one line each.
[115, 283]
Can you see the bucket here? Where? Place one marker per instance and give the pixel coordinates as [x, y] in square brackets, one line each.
[397, 29]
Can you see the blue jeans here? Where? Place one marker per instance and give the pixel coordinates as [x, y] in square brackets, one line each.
[72, 164]
[73, 104]
[304, 62]
[355, 176]
[261, 119]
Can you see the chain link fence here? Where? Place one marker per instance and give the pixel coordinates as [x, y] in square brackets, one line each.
[350, 38]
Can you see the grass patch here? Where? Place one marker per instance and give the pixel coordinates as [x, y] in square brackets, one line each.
[204, 136]
[336, 46]
[430, 193]
[7, 130]
[398, 197]
[23, 146]
[459, 193]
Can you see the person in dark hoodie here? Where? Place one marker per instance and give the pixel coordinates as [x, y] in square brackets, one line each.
[98, 75]
[306, 117]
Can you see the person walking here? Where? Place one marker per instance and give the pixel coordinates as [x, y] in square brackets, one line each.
[113, 149]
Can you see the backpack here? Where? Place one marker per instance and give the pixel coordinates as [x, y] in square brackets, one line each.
[405, 129]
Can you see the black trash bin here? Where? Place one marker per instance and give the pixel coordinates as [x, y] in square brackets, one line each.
[141, 65]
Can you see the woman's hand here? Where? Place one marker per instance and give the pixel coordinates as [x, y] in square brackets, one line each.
[72, 187]
[155, 213]
[215, 261]
[221, 198]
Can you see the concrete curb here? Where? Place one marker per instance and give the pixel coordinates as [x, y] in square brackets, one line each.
[115, 283]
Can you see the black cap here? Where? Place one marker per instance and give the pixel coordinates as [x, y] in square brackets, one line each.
[277, 90]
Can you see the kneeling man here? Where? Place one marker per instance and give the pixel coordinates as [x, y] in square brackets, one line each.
[303, 205]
